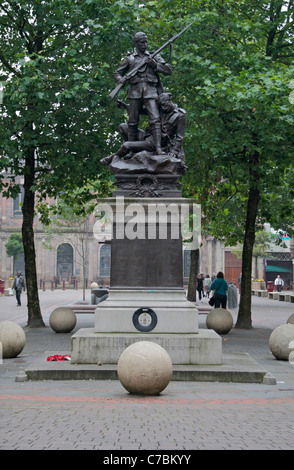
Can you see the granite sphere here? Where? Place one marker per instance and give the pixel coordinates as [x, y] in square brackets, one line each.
[144, 368]
[279, 341]
[219, 320]
[13, 339]
[62, 320]
[291, 319]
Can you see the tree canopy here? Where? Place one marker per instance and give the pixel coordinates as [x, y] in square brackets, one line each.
[231, 72]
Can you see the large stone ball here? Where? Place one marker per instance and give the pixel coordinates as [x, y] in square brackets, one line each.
[13, 339]
[62, 320]
[144, 368]
[291, 319]
[279, 341]
[291, 357]
[219, 320]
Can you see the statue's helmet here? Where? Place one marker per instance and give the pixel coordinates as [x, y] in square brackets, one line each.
[138, 36]
[164, 97]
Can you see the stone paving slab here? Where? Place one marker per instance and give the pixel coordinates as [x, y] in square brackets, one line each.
[99, 415]
[234, 368]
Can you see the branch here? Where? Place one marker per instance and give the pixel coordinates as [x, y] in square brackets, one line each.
[8, 66]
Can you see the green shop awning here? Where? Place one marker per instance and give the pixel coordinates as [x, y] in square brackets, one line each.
[277, 269]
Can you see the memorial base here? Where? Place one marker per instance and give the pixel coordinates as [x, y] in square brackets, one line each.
[89, 347]
[164, 316]
[146, 310]
[146, 299]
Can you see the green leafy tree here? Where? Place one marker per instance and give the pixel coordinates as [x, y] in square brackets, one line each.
[231, 72]
[240, 140]
[54, 68]
[70, 216]
[263, 245]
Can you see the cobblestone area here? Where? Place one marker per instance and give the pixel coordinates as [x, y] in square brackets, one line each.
[186, 416]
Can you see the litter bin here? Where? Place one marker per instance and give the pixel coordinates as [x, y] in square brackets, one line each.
[2, 287]
[270, 286]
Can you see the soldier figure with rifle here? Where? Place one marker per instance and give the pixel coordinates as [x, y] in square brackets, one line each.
[144, 87]
[141, 69]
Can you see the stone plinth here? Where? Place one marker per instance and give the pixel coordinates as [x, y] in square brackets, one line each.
[204, 347]
[146, 301]
[157, 310]
[146, 245]
[147, 185]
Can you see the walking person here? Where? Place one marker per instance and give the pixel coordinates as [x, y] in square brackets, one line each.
[200, 286]
[220, 287]
[207, 283]
[18, 286]
[232, 296]
[279, 283]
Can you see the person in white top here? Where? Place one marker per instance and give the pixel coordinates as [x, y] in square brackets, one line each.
[279, 283]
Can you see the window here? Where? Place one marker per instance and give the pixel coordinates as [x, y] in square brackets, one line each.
[65, 261]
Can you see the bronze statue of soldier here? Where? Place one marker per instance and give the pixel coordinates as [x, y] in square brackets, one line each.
[173, 127]
[144, 88]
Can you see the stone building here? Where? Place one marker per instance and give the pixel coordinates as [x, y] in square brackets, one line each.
[64, 261]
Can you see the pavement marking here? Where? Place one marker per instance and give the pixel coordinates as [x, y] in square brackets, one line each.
[147, 400]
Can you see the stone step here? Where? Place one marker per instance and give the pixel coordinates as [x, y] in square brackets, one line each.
[88, 308]
[241, 368]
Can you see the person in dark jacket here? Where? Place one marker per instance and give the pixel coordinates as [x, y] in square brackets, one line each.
[200, 285]
[18, 286]
[220, 287]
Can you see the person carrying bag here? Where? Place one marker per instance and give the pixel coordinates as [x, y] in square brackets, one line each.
[220, 287]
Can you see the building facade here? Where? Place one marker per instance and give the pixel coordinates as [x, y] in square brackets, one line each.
[71, 257]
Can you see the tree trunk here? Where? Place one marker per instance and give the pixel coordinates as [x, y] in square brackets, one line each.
[244, 315]
[35, 319]
[193, 275]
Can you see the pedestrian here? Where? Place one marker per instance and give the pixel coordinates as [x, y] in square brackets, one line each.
[220, 287]
[232, 296]
[207, 283]
[279, 283]
[213, 277]
[200, 286]
[18, 286]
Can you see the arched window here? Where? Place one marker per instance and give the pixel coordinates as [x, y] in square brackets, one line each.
[65, 261]
[104, 260]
